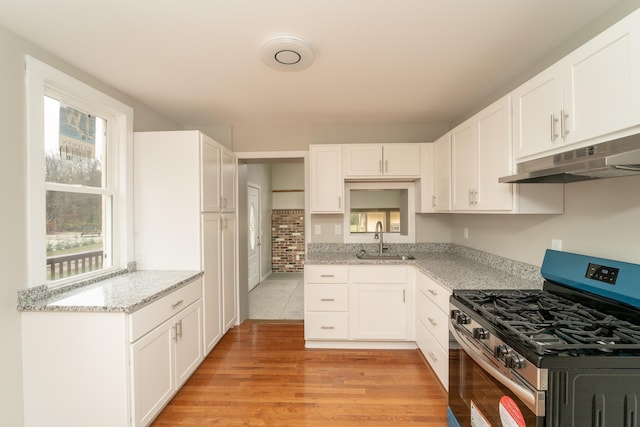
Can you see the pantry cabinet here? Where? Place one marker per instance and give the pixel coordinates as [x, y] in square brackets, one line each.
[591, 95]
[183, 181]
[326, 181]
[381, 160]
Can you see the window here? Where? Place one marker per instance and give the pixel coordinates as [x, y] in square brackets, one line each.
[390, 203]
[78, 144]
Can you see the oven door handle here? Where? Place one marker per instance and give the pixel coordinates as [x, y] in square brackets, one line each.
[529, 397]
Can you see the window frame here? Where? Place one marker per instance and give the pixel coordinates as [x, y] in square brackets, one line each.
[43, 80]
[391, 237]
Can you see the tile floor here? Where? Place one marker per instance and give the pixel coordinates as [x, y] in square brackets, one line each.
[280, 296]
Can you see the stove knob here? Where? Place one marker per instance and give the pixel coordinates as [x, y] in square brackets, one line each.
[501, 351]
[480, 333]
[514, 361]
[462, 319]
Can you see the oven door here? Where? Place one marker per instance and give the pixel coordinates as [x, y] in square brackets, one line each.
[477, 399]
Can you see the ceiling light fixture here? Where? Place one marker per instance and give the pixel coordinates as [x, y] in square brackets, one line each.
[287, 53]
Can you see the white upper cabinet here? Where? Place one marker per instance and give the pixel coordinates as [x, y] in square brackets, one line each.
[591, 95]
[381, 160]
[442, 173]
[227, 181]
[210, 177]
[464, 172]
[325, 180]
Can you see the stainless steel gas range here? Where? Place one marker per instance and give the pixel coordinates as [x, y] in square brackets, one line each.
[564, 356]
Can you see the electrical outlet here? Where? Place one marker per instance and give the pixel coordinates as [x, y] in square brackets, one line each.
[556, 244]
[338, 229]
[465, 232]
[318, 229]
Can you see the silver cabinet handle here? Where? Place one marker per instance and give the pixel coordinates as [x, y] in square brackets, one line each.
[386, 166]
[327, 327]
[554, 135]
[432, 356]
[327, 275]
[434, 202]
[177, 303]
[327, 299]
[433, 322]
[174, 333]
[339, 202]
[564, 131]
[179, 329]
[432, 292]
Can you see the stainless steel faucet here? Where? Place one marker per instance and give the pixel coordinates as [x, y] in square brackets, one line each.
[378, 236]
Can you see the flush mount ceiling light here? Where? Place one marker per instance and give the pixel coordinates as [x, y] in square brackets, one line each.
[287, 53]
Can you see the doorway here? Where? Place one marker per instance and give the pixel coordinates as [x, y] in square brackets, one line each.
[271, 187]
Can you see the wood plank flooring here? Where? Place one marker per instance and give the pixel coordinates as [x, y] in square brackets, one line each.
[260, 374]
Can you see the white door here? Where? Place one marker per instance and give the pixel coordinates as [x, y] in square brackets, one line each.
[253, 245]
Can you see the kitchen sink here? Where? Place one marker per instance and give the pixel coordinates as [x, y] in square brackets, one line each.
[389, 257]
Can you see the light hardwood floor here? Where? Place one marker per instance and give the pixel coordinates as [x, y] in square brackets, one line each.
[260, 374]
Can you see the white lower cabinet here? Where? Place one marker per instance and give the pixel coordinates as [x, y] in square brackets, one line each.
[108, 369]
[163, 360]
[359, 306]
[432, 325]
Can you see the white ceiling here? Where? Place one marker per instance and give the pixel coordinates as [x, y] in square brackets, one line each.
[376, 61]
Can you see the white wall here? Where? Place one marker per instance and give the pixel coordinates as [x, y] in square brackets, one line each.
[298, 137]
[601, 218]
[13, 172]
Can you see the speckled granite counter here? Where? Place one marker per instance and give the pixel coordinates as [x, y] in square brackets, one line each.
[123, 293]
[452, 266]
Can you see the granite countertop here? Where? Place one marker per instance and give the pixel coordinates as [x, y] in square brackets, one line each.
[124, 293]
[453, 269]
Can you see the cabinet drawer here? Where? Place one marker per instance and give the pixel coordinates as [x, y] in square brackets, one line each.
[326, 297]
[385, 274]
[326, 274]
[150, 316]
[326, 325]
[436, 292]
[437, 356]
[434, 319]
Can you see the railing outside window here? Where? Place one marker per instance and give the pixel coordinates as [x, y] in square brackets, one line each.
[62, 266]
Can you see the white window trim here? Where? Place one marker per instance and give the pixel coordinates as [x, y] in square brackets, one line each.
[388, 237]
[40, 79]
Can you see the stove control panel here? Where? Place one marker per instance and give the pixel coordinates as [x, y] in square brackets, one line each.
[602, 273]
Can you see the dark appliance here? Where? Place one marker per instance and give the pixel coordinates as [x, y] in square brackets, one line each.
[567, 355]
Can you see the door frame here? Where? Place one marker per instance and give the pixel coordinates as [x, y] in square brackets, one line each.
[258, 231]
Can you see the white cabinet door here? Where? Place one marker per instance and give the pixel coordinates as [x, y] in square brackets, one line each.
[601, 83]
[189, 354]
[153, 359]
[425, 186]
[379, 312]
[401, 160]
[494, 157]
[442, 173]
[227, 188]
[229, 288]
[464, 165]
[376, 160]
[362, 160]
[212, 290]
[326, 179]
[537, 105]
[210, 155]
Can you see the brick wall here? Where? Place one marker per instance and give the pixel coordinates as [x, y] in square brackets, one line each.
[287, 240]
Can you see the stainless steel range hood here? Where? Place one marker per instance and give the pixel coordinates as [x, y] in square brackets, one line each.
[610, 159]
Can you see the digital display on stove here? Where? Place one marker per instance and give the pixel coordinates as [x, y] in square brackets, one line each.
[602, 273]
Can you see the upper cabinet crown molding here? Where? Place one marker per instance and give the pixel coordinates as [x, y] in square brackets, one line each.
[381, 161]
[590, 96]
